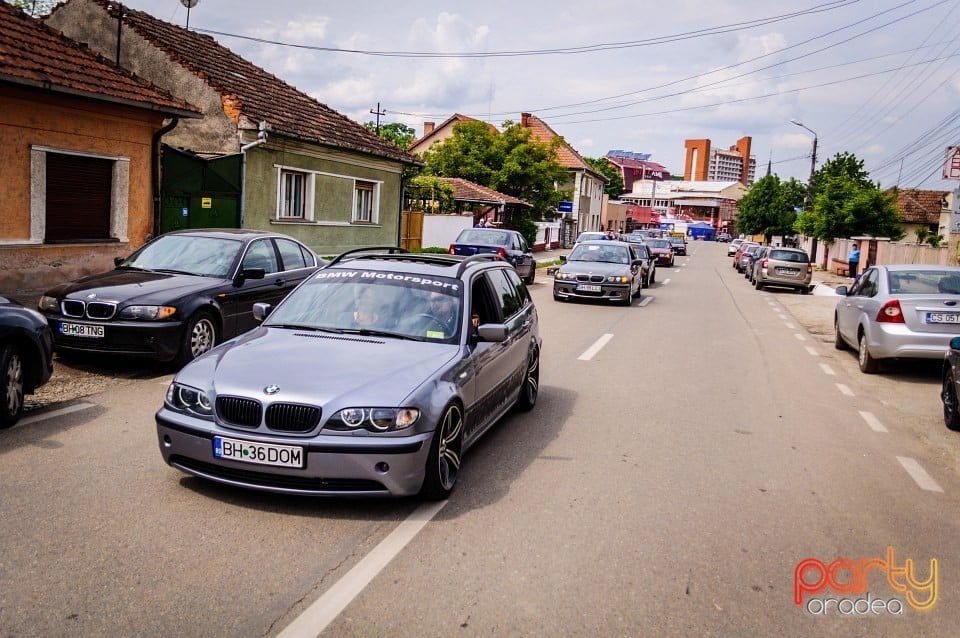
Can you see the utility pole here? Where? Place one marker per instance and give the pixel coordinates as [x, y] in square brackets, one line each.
[378, 113]
[809, 205]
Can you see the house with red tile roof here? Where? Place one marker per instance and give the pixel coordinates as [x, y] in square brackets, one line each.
[433, 134]
[586, 182]
[288, 162]
[923, 209]
[79, 140]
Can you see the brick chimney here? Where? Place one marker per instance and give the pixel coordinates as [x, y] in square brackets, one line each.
[428, 128]
[525, 120]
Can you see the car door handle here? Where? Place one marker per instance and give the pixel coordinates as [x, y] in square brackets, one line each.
[279, 282]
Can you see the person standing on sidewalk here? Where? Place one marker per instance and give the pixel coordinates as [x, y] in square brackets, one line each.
[853, 261]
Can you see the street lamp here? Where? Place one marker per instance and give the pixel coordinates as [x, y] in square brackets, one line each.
[813, 163]
[813, 168]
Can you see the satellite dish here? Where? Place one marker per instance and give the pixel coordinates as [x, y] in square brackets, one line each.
[189, 4]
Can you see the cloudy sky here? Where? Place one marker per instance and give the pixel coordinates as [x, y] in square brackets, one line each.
[878, 78]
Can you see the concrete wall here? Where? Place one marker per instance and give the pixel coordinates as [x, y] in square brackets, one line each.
[215, 133]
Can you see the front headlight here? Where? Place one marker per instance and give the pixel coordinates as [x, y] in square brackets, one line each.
[147, 313]
[373, 419]
[48, 304]
[565, 275]
[184, 398]
[617, 280]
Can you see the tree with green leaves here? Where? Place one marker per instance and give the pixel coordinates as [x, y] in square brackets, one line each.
[602, 165]
[513, 162]
[34, 7]
[847, 204]
[769, 208]
[400, 134]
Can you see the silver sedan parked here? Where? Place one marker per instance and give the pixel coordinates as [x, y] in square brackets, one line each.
[600, 270]
[372, 378]
[899, 311]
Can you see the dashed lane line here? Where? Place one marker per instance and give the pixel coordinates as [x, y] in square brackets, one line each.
[845, 390]
[322, 612]
[919, 475]
[55, 413]
[873, 421]
[827, 369]
[595, 348]
[812, 351]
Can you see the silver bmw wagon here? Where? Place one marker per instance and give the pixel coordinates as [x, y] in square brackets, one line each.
[373, 377]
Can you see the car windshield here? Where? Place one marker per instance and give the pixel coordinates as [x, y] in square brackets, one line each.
[676, 240]
[658, 243]
[374, 303]
[610, 254]
[210, 256]
[590, 236]
[924, 282]
[481, 236]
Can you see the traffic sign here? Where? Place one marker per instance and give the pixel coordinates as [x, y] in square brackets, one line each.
[565, 207]
[951, 165]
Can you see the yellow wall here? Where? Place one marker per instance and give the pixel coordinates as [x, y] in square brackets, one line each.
[31, 118]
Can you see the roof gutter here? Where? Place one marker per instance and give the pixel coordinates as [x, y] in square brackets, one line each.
[261, 139]
[155, 169]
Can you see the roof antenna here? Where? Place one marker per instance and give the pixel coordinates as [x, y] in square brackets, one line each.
[189, 4]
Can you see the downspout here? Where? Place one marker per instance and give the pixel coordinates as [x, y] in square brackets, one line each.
[155, 170]
[403, 188]
[261, 139]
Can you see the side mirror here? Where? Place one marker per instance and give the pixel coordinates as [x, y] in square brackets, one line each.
[496, 332]
[261, 310]
[955, 343]
[841, 290]
[118, 260]
[563, 259]
[250, 273]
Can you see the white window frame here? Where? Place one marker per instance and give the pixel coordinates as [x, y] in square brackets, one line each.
[360, 187]
[119, 196]
[309, 181]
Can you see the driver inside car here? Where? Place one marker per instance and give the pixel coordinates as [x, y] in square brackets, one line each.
[444, 309]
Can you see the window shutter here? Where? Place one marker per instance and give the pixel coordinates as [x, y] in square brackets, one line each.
[78, 198]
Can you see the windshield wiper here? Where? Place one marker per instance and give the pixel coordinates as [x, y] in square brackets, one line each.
[297, 326]
[133, 268]
[367, 332]
[171, 271]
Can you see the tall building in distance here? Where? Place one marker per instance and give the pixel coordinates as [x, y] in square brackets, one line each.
[704, 164]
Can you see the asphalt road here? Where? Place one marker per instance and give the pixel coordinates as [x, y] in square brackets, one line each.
[685, 455]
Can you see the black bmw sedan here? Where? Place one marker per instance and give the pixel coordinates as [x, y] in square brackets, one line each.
[178, 295]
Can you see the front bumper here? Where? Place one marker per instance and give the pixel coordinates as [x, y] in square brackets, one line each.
[158, 340]
[606, 292]
[334, 465]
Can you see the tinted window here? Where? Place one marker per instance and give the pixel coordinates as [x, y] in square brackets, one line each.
[291, 254]
[260, 254]
[506, 295]
[789, 255]
[198, 255]
[522, 291]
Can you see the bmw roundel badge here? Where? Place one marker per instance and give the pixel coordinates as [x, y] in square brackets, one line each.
[272, 389]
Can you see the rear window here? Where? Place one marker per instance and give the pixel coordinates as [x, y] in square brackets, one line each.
[789, 255]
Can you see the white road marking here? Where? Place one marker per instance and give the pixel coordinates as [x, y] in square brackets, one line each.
[322, 612]
[827, 369]
[919, 475]
[790, 326]
[54, 413]
[812, 351]
[799, 336]
[645, 300]
[845, 390]
[665, 281]
[772, 302]
[595, 348]
[873, 421]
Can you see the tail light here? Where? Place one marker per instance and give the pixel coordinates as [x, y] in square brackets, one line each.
[451, 251]
[502, 254]
[763, 264]
[809, 269]
[890, 312]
